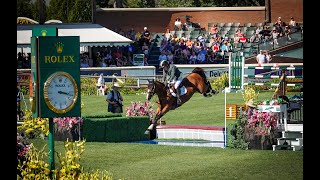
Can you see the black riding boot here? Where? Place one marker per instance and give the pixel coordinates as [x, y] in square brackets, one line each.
[178, 97]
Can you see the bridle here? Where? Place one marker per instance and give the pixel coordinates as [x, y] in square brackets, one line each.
[151, 89]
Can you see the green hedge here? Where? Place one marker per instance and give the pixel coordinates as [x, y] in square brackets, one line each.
[115, 129]
[103, 115]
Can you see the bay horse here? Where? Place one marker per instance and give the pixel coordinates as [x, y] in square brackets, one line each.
[196, 81]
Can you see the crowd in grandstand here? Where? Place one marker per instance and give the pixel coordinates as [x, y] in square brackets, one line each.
[178, 47]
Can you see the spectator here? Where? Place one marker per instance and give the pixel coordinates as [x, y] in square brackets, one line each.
[258, 29]
[132, 34]
[275, 35]
[201, 58]
[292, 22]
[268, 57]
[212, 59]
[266, 35]
[146, 36]
[287, 32]
[115, 99]
[163, 43]
[225, 47]
[255, 38]
[178, 25]
[145, 61]
[145, 49]
[250, 108]
[204, 51]
[214, 31]
[216, 47]
[261, 58]
[202, 39]
[118, 57]
[20, 60]
[162, 56]
[108, 58]
[170, 57]
[100, 82]
[193, 58]
[279, 26]
[168, 35]
[189, 44]
[188, 24]
[83, 64]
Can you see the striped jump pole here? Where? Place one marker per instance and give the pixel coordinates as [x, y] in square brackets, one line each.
[236, 71]
[274, 67]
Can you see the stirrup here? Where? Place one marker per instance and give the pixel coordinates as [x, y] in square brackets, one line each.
[178, 104]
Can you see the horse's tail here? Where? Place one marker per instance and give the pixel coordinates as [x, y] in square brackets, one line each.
[200, 71]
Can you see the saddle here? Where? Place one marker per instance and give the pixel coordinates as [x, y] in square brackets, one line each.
[172, 91]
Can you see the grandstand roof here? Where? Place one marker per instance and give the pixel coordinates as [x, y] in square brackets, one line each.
[90, 34]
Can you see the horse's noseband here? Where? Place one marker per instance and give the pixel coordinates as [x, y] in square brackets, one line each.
[152, 89]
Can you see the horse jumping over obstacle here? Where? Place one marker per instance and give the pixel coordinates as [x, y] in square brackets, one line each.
[194, 82]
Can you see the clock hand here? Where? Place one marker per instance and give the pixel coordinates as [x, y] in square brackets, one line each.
[61, 92]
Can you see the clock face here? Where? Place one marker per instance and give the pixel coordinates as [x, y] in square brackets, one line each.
[60, 92]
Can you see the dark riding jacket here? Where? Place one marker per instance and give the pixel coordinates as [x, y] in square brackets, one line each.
[172, 74]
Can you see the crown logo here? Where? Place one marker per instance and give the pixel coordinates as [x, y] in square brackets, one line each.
[44, 32]
[59, 47]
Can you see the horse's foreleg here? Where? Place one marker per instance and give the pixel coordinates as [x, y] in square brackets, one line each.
[159, 114]
[155, 121]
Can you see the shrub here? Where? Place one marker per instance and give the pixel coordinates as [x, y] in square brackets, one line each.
[249, 93]
[34, 127]
[67, 123]
[221, 82]
[263, 123]
[140, 109]
[23, 146]
[237, 131]
[34, 166]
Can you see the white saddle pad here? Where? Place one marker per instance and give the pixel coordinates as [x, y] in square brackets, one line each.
[183, 91]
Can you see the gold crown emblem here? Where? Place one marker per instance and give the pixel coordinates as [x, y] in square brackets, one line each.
[59, 47]
[44, 32]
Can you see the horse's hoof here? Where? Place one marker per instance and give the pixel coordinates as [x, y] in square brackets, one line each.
[147, 132]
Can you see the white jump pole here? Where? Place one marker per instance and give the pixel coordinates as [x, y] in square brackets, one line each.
[225, 117]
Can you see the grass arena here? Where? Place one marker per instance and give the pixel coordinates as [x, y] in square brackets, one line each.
[126, 160]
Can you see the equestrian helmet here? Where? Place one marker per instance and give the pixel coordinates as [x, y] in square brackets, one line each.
[163, 62]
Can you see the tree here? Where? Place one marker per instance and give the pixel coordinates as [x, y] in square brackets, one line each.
[81, 11]
[35, 8]
[59, 9]
[102, 3]
[234, 3]
[121, 4]
[176, 3]
[24, 8]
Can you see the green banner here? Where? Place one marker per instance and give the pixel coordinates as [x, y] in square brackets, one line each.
[44, 31]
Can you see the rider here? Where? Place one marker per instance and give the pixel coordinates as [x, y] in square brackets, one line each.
[172, 74]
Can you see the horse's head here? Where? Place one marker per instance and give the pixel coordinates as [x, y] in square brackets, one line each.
[151, 89]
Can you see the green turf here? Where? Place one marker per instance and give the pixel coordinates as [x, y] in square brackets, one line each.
[199, 110]
[147, 161]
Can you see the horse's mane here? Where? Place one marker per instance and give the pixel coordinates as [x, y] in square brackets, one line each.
[159, 82]
[201, 72]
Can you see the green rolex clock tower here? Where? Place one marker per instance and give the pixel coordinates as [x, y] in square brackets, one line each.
[55, 74]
